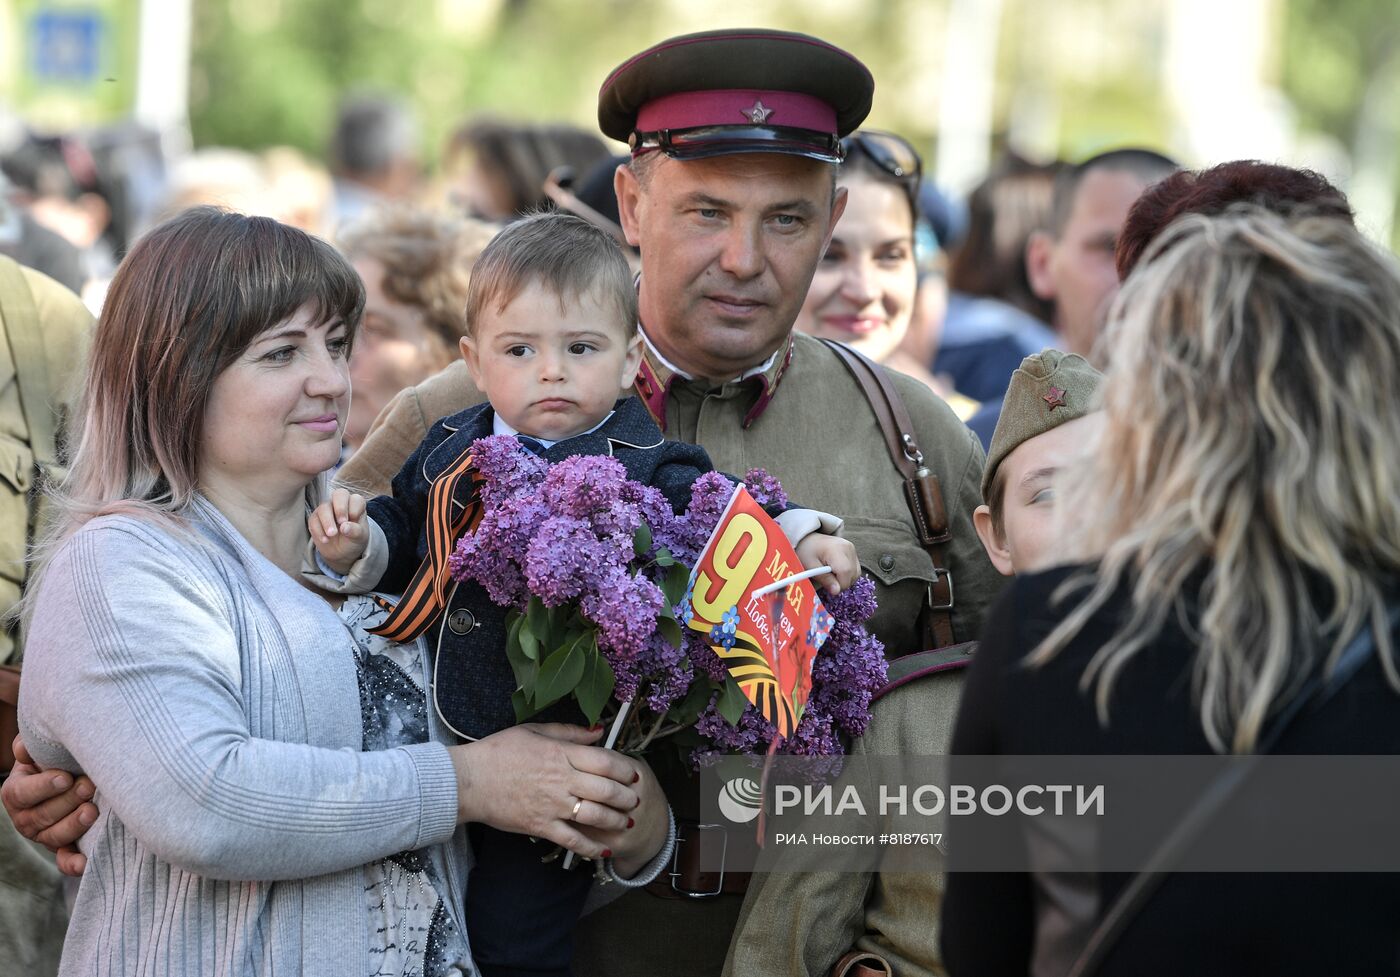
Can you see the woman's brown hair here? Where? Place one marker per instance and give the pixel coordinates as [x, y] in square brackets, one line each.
[188, 299]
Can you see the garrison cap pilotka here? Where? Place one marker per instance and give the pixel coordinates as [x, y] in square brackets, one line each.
[737, 91]
[1048, 389]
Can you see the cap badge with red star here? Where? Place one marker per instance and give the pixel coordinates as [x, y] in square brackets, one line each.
[758, 113]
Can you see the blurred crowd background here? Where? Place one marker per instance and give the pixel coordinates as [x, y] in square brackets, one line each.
[114, 113]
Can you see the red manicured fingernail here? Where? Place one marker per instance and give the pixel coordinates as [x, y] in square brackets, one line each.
[636, 776]
[607, 853]
[595, 727]
[630, 822]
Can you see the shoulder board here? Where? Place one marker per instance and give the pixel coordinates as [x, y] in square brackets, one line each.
[911, 668]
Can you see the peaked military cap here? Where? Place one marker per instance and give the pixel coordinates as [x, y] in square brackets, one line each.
[1048, 389]
[737, 91]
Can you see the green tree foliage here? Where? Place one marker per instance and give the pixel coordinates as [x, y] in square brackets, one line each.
[271, 71]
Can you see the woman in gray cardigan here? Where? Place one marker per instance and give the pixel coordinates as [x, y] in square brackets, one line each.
[275, 796]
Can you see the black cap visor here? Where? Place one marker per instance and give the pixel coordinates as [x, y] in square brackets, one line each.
[705, 141]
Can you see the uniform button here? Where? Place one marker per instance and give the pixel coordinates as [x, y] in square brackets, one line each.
[461, 621]
[887, 563]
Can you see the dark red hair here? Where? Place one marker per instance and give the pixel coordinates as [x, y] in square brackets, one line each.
[1281, 189]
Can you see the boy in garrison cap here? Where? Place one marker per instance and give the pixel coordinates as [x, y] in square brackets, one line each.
[1046, 417]
[888, 922]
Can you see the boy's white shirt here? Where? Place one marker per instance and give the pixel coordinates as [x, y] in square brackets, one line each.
[500, 426]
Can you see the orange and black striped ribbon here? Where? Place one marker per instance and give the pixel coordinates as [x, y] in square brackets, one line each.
[425, 595]
[750, 668]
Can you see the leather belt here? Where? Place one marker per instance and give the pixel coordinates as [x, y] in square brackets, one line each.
[686, 880]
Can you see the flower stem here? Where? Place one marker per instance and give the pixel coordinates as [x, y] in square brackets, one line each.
[651, 734]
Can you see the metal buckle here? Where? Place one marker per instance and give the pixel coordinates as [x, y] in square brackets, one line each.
[676, 859]
[947, 575]
[911, 450]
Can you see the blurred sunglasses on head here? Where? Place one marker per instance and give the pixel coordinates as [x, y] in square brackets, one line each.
[891, 153]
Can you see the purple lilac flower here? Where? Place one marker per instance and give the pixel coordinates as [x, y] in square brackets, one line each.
[565, 533]
[566, 559]
[670, 673]
[814, 736]
[766, 490]
[855, 604]
[709, 495]
[494, 555]
[507, 469]
[846, 675]
[583, 485]
[703, 657]
[651, 506]
[615, 524]
[751, 735]
[625, 609]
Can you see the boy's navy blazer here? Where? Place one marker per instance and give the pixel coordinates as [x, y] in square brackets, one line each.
[472, 680]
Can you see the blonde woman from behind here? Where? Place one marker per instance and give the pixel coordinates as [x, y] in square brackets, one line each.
[1234, 531]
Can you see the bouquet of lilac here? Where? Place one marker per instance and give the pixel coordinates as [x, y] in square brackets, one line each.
[595, 568]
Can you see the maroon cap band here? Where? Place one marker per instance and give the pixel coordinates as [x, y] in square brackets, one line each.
[736, 106]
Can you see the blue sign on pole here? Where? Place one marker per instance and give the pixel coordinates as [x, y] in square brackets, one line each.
[66, 46]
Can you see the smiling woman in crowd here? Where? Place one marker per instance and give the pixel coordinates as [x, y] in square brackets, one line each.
[865, 292]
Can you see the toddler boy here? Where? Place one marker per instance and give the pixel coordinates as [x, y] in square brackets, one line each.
[552, 341]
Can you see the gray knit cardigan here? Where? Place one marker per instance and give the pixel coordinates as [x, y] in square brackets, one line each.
[214, 701]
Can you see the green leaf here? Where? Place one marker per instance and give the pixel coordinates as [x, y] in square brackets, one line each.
[558, 633]
[670, 630]
[521, 704]
[732, 702]
[596, 686]
[537, 616]
[526, 669]
[513, 651]
[695, 700]
[529, 642]
[664, 557]
[559, 674]
[641, 540]
[675, 583]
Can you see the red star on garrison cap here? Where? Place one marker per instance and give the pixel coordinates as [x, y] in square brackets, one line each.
[1055, 397]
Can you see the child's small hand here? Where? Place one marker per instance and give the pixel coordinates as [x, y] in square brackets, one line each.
[340, 530]
[819, 549]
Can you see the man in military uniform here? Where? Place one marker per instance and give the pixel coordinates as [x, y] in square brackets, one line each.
[802, 924]
[43, 332]
[731, 198]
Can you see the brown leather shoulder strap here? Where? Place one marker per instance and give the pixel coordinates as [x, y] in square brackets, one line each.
[921, 489]
[895, 422]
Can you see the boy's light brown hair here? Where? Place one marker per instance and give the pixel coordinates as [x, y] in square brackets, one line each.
[565, 254]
